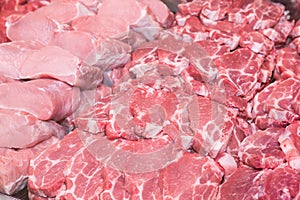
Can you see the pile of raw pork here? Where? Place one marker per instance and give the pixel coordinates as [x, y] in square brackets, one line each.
[115, 99]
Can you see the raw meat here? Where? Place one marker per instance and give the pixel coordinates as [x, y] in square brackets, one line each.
[227, 162]
[16, 7]
[132, 14]
[206, 109]
[55, 62]
[22, 130]
[160, 11]
[289, 143]
[39, 27]
[42, 98]
[262, 149]
[12, 56]
[94, 118]
[191, 176]
[41, 24]
[239, 71]
[80, 44]
[109, 54]
[247, 183]
[272, 106]
[64, 12]
[105, 172]
[48, 181]
[14, 177]
[287, 62]
[256, 42]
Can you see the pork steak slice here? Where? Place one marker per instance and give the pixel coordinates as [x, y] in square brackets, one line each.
[58, 63]
[248, 183]
[287, 60]
[43, 98]
[46, 177]
[272, 106]
[262, 149]
[39, 26]
[12, 56]
[289, 143]
[22, 130]
[138, 19]
[191, 176]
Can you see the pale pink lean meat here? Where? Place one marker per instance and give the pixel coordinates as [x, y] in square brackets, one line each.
[55, 62]
[12, 56]
[22, 130]
[39, 27]
[42, 98]
[80, 44]
[132, 15]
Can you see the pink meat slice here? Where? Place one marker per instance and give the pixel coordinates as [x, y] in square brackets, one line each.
[14, 177]
[39, 27]
[134, 156]
[237, 136]
[4, 79]
[202, 61]
[46, 176]
[191, 176]
[88, 98]
[58, 63]
[266, 14]
[22, 130]
[290, 145]
[43, 98]
[191, 8]
[161, 12]
[83, 177]
[238, 185]
[109, 54]
[240, 69]
[262, 149]
[64, 12]
[12, 56]
[282, 183]
[79, 43]
[113, 185]
[247, 183]
[258, 105]
[212, 125]
[279, 33]
[131, 14]
[143, 185]
[135, 118]
[278, 103]
[157, 107]
[287, 62]
[256, 42]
